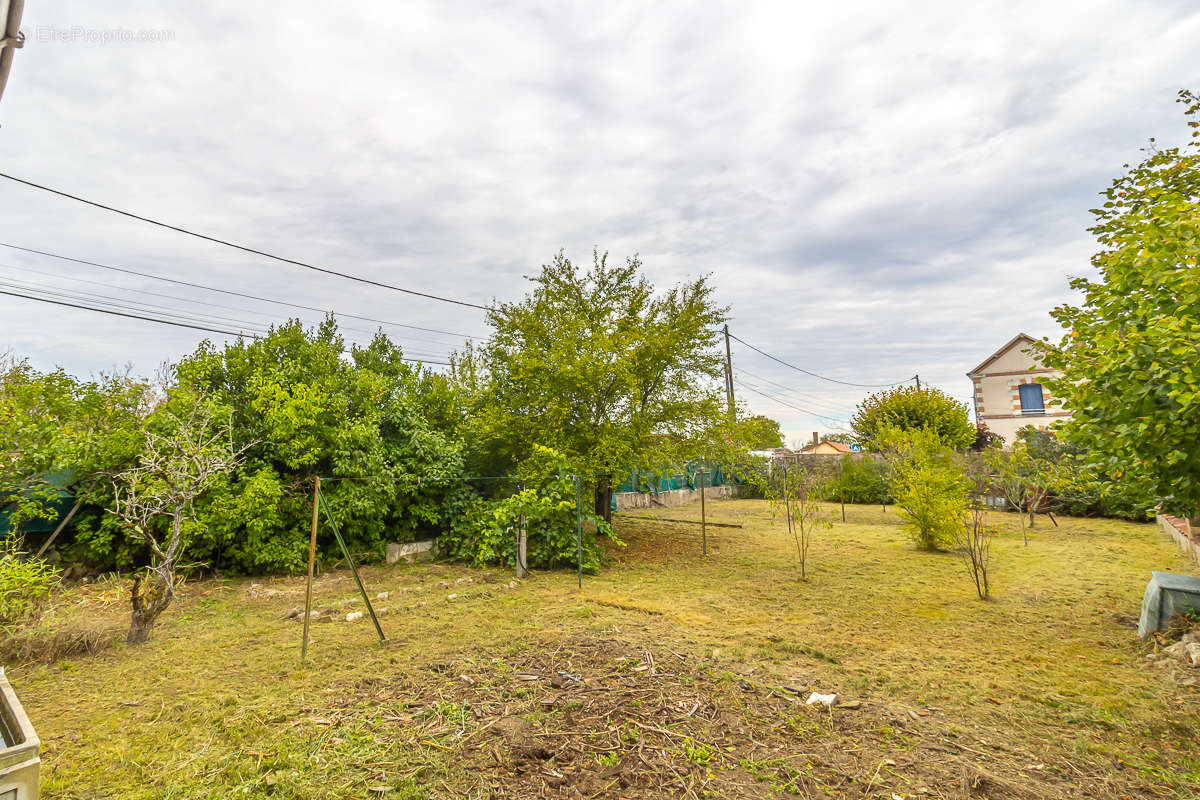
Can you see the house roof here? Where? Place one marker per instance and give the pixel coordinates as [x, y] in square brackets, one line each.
[841, 448]
[1007, 346]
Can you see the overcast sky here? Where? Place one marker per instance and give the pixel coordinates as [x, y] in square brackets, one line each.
[878, 189]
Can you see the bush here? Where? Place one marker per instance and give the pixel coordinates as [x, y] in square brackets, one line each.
[859, 480]
[24, 583]
[929, 485]
[486, 533]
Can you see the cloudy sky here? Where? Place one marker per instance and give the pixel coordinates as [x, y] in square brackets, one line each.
[878, 189]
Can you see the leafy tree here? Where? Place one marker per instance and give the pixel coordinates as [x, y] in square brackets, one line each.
[54, 425]
[929, 485]
[907, 408]
[386, 430]
[760, 433]
[1130, 360]
[595, 366]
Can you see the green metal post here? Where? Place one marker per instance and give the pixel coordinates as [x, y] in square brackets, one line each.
[579, 533]
[346, 552]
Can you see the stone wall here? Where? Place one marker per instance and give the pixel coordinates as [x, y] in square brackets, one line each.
[672, 497]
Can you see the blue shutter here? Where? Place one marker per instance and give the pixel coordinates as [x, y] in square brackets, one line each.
[1031, 398]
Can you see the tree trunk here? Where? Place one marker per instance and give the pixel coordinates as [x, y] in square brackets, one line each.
[146, 608]
[604, 495]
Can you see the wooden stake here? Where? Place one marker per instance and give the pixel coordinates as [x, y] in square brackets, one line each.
[312, 557]
[703, 520]
[58, 530]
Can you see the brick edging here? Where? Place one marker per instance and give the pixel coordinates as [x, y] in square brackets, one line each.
[1179, 530]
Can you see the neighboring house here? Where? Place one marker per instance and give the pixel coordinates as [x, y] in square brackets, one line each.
[825, 448]
[1009, 393]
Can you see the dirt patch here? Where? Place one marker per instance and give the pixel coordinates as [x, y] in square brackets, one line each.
[602, 718]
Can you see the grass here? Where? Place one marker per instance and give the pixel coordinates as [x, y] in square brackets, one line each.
[669, 675]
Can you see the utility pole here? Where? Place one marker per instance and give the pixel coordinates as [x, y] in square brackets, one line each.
[917, 378]
[728, 372]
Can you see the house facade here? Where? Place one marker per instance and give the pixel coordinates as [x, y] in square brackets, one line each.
[1009, 393]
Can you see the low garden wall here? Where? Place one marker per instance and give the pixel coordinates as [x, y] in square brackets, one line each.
[671, 497]
[1179, 530]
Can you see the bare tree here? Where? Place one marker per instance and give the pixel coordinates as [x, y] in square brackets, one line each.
[797, 492]
[182, 457]
[973, 541]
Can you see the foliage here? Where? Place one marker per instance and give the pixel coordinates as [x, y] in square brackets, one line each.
[545, 494]
[985, 439]
[928, 482]
[52, 424]
[1077, 488]
[384, 429]
[1129, 358]
[598, 368]
[907, 408]
[24, 582]
[859, 479]
[760, 433]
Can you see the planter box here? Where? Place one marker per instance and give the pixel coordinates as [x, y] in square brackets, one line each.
[20, 759]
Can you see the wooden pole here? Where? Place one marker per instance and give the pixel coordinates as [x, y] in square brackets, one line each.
[703, 519]
[312, 557]
[59, 529]
[728, 372]
[337, 534]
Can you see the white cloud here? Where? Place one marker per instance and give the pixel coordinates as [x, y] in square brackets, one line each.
[879, 189]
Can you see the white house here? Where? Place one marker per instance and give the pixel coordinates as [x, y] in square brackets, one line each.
[1009, 393]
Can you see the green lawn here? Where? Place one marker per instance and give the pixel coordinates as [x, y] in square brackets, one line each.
[670, 675]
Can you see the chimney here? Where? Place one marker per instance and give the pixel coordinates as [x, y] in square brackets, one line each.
[816, 439]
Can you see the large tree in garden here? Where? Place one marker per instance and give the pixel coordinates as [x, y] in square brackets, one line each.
[383, 428]
[759, 432]
[908, 408]
[1131, 354]
[599, 367]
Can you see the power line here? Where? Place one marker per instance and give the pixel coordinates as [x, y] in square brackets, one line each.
[118, 302]
[244, 248]
[166, 321]
[808, 411]
[798, 395]
[807, 372]
[41, 287]
[230, 291]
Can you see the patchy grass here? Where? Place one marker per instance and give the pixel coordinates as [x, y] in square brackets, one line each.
[668, 676]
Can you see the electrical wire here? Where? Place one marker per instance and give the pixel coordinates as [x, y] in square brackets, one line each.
[800, 397]
[34, 286]
[808, 411]
[166, 321]
[230, 291]
[807, 372]
[244, 248]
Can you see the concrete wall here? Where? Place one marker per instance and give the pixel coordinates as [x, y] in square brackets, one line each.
[671, 498]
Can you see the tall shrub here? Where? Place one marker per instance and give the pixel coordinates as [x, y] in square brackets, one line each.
[929, 485]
